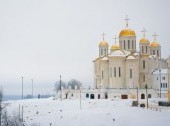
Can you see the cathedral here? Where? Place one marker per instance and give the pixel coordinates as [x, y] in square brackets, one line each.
[121, 66]
[124, 71]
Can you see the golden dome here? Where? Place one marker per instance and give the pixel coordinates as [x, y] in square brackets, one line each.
[154, 44]
[127, 32]
[144, 40]
[103, 43]
[114, 47]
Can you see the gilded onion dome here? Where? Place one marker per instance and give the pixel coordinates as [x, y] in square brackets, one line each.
[144, 40]
[127, 32]
[154, 44]
[114, 47]
[103, 43]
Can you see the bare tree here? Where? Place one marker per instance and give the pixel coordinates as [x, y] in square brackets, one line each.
[74, 83]
[1, 107]
[58, 86]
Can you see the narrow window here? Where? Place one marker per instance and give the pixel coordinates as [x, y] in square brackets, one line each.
[158, 52]
[124, 44]
[143, 64]
[119, 71]
[114, 71]
[102, 74]
[132, 44]
[130, 73]
[105, 51]
[101, 51]
[146, 49]
[128, 44]
[153, 52]
[142, 49]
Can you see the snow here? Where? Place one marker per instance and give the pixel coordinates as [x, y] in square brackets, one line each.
[96, 112]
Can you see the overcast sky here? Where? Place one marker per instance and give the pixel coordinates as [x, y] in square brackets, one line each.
[43, 39]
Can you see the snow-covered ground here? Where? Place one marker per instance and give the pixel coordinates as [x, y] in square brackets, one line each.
[101, 112]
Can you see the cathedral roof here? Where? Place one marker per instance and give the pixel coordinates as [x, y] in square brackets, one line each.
[144, 40]
[103, 43]
[127, 32]
[120, 53]
[154, 44]
[131, 57]
[105, 58]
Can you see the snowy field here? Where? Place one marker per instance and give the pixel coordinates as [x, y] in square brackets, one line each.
[102, 112]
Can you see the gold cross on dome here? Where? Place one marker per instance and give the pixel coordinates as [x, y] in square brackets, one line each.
[115, 38]
[103, 35]
[144, 31]
[127, 19]
[154, 36]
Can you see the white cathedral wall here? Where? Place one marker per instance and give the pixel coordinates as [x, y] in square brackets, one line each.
[105, 68]
[134, 81]
[117, 82]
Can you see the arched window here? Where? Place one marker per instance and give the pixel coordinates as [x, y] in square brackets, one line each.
[98, 96]
[114, 71]
[158, 52]
[101, 51]
[124, 44]
[142, 49]
[105, 52]
[102, 74]
[119, 71]
[132, 44]
[142, 96]
[153, 52]
[87, 95]
[146, 49]
[143, 64]
[149, 95]
[128, 44]
[130, 73]
[92, 96]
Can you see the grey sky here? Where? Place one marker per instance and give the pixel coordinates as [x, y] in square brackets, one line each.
[42, 39]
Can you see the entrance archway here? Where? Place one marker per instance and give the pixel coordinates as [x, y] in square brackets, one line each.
[98, 96]
[124, 96]
[142, 96]
[87, 95]
[106, 95]
[92, 96]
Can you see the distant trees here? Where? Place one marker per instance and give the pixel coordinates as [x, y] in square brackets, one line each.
[58, 86]
[73, 83]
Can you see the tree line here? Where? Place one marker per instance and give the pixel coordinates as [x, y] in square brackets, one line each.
[72, 84]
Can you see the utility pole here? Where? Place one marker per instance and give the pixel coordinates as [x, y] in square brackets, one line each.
[146, 86]
[22, 114]
[80, 99]
[32, 88]
[160, 83]
[61, 87]
[137, 96]
[22, 87]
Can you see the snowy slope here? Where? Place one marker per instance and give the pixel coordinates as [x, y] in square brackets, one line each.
[102, 112]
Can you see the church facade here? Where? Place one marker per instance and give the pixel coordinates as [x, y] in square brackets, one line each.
[121, 66]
